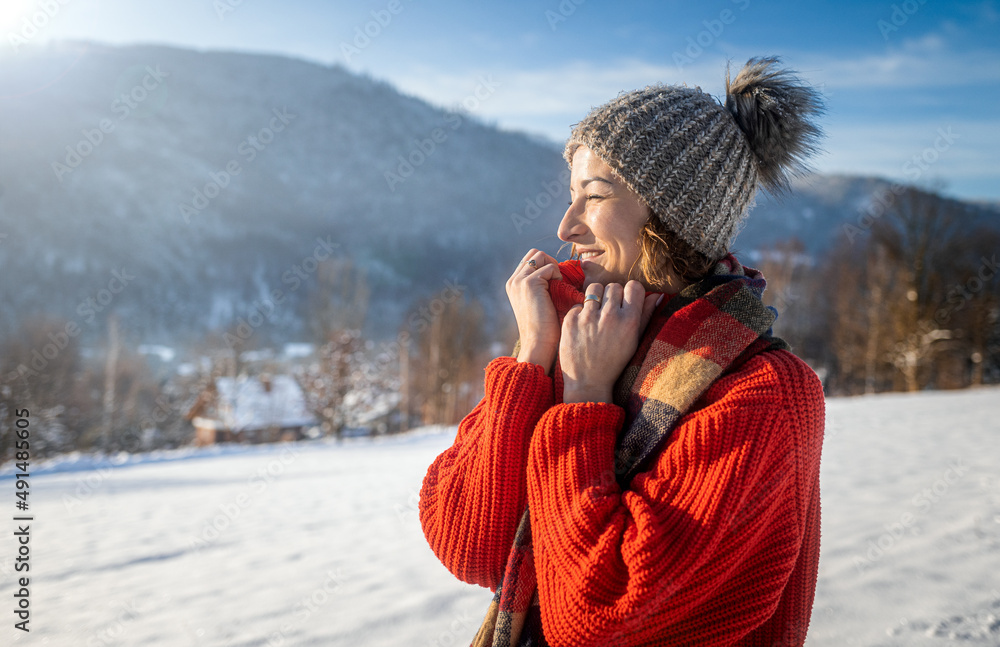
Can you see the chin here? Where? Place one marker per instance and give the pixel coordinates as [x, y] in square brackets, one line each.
[594, 273]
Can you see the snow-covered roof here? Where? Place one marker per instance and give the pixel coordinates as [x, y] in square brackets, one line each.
[245, 404]
[298, 350]
[369, 406]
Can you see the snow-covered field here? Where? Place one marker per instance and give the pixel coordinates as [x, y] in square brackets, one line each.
[319, 544]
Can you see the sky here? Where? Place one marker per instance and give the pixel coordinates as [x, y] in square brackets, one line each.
[912, 86]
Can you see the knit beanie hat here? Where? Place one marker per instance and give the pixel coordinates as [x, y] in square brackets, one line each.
[697, 163]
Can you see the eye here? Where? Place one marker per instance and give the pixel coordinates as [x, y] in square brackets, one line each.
[594, 197]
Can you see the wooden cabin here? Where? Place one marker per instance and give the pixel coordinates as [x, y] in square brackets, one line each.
[251, 410]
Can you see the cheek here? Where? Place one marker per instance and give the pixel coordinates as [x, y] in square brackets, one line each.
[626, 245]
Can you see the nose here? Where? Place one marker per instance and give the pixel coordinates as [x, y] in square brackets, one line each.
[572, 226]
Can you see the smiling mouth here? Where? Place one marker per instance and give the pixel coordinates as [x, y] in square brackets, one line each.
[590, 254]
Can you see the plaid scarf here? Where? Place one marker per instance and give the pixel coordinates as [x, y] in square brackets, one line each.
[707, 329]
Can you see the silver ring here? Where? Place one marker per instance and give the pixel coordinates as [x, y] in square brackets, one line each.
[532, 263]
[593, 297]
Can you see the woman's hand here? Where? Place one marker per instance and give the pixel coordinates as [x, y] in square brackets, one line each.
[537, 322]
[599, 339]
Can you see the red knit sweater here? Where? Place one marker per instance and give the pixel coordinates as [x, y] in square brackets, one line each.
[716, 544]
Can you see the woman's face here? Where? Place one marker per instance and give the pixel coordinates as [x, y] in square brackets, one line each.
[604, 221]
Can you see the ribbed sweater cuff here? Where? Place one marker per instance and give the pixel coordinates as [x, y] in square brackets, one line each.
[573, 448]
[518, 388]
[518, 394]
[475, 491]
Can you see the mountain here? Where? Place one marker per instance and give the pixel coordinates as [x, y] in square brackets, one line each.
[213, 178]
[181, 188]
[822, 210]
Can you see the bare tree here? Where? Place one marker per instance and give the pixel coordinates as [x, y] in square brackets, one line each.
[39, 367]
[450, 352]
[917, 234]
[110, 379]
[901, 314]
[971, 306]
[787, 266]
[339, 300]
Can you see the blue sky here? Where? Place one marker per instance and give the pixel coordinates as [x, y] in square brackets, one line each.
[912, 87]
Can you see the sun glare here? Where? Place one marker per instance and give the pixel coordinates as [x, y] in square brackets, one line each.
[14, 12]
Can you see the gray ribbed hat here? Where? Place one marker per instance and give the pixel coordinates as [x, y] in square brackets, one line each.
[697, 163]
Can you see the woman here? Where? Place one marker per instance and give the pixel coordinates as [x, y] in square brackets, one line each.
[645, 469]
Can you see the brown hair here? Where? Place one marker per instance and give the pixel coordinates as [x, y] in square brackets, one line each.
[662, 251]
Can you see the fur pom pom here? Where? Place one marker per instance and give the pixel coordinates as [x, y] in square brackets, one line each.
[774, 109]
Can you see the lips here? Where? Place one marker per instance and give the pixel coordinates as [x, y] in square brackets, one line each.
[589, 254]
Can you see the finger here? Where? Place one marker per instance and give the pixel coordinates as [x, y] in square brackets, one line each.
[549, 259]
[571, 316]
[525, 259]
[519, 270]
[570, 326]
[613, 293]
[555, 264]
[529, 267]
[552, 260]
[536, 261]
[593, 297]
[632, 300]
[548, 273]
[648, 308]
[541, 260]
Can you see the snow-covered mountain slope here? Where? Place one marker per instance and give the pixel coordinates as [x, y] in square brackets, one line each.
[320, 543]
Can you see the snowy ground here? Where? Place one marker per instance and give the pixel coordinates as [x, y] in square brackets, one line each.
[319, 544]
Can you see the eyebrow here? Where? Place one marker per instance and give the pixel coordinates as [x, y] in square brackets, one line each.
[588, 180]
